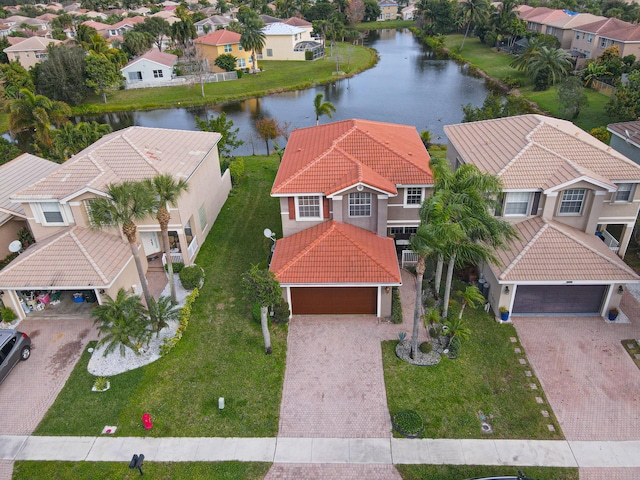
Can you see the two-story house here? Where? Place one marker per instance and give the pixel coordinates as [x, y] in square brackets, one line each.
[210, 46]
[594, 38]
[289, 42]
[625, 138]
[31, 51]
[70, 257]
[344, 187]
[574, 202]
[388, 10]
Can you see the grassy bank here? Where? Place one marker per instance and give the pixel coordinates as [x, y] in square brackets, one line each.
[220, 355]
[277, 76]
[496, 64]
[384, 25]
[454, 472]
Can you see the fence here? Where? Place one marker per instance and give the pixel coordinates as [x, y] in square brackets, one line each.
[188, 80]
[603, 88]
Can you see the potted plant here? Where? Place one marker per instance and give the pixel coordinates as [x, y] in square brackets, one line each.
[613, 314]
[504, 314]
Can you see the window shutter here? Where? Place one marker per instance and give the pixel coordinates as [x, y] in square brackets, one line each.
[536, 202]
[325, 207]
[292, 208]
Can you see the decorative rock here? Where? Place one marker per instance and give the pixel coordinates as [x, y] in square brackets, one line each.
[637, 355]
[533, 386]
[513, 339]
[528, 373]
[403, 352]
[522, 361]
[539, 400]
[544, 413]
[551, 428]
[517, 350]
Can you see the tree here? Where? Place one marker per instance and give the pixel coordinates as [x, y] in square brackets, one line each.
[84, 34]
[355, 12]
[322, 108]
[571, 97]
[62, 75]
[183, 32]
[435, 16]
[102, 74]
[427, 138]
[37, 113]
[420, 246]
[125, 204]
[252, 37]
[226, 61]
[15, 77]
[8, 151]
[546, 65]
[594, 71]
[474, 11]
[69, 139]
[123, 322]
[161, 312]
[496, 106]
[155, 26]
[472, 297]
[625, 104]
[268, 129]
[167, 190]
[262, 287]
[137, 43]
[224, 127]
[371, 10]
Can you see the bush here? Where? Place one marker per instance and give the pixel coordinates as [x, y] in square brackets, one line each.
[236, 169]
[308, 55]
[240, 74]
[281, 312]
[408, 423]
[8, 315]
[425, 347]
[396, 306]
[185, 316]
[454, 348]
[192, 277]
[512, 82]
[177, 267]
[7, 260]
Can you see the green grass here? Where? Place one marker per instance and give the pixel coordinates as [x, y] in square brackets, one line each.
[451, 472]
[384, 25]
[30, 470]
[486, 376]
[278, 76]
[220, 355]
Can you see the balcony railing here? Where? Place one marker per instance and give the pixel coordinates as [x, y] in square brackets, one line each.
[409, 258]
[193, 248]
[610, 241]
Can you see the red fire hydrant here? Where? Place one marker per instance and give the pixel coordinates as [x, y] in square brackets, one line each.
[146, 420]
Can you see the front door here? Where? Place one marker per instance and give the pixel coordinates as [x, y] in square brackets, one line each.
[150, 243]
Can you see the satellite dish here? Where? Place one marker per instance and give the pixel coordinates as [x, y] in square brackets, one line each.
[268, 233]
[15, 246]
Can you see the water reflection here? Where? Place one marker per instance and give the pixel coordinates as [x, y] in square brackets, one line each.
[409, 86]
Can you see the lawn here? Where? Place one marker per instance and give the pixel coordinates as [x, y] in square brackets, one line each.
[451, 472]
[496, 64]
[487, 377]
[277, 76]
[220, 355]
[27, 470]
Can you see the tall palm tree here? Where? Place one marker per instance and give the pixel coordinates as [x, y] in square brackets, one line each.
[37, 112]
[420, 246]
[555, 61]
[474, 11]
[167, 191]
[126, 203]
[322, 108]
[252, 37]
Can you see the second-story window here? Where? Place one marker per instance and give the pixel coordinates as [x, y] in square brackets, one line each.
[308, 207]
[517, 203]
[360, 204]
[625, 192]
[52, 212]
[572, 201]
[227, 48]
[414, 196]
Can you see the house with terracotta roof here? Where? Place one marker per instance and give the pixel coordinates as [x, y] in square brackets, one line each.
[154, 67]
[288, 42]
[212, 45]
[345, 189]
[593, 38]
[70, 257]
[30, 51]
[625, 138]
[574, 201]
[118, 29]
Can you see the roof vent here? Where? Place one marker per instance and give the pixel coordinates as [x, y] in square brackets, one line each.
[299, 150]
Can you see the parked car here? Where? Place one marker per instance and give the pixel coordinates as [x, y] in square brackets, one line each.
[14, 346]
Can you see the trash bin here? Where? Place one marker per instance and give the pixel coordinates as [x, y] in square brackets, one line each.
[90, 296]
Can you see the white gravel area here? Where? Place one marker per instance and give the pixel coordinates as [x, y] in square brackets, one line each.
[114, 363]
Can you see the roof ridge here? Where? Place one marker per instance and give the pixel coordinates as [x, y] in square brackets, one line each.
[132, 145]
[87, 256]
[524, 250]
[523, 149]
[306, 250]
[20, 259]
[364, 250]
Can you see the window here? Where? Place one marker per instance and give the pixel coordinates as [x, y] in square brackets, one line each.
[517, 203]
[572, 201]
[308, 207]
[242, 63]
[157, 74]
[202, 213]
[228, 48]
[577, 35]
[360, 204]
[135, 76]
[269, 52]
[625, 192]
[402, 230]
[240, 47]
[51, 212]
[413, 196]
[590, 38]
[603, 43]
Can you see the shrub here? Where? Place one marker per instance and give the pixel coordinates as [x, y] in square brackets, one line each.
[240, 73]
[281, 312]
[8, 315]
[408, 423]
[425, 347]
[236, 169]
[454, 348]
[177, 267]
[101, 383]
[396, 306]
[602, 134]
[7, 260]
[185, 316]
[512, 82]
[308, 55]
[192, 277]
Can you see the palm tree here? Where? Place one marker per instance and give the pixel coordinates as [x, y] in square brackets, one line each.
[593, 71]
[252, 37]
[474, 11]
[167, 191]
[262, 287]
[420, 246]
[122, 321]
[322, 108]
[161, 312]
[555, 61]
[472, 297]
[125, 204]
[37, 113]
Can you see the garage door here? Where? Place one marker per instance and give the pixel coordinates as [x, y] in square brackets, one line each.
[333, 300]
[559, 298]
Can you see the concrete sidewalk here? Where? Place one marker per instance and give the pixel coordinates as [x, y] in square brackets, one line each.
[292, 450]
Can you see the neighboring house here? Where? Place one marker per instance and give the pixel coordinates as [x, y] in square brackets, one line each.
[625, 138]
[118, 29]
[152, 67]
[574, 202]
[287, 42]
[30, 51]
[211, 24]
[592, 39]
[142, 11]
[13, 179]
[71, 257]
[563, 28]
[101, 28]
[344, 189]
[537, 18]
[388, 10]
[212, 45]
[409, 12]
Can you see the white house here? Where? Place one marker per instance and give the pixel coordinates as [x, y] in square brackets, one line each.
[152, 67]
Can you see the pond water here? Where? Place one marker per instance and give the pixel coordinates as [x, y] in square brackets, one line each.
[408, 86]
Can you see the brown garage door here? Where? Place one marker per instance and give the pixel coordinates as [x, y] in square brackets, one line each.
[559, 298]
[333, 300]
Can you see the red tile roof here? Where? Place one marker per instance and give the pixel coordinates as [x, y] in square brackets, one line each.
[335, 253]
[219, 37]
[331, 157]
[605, 26]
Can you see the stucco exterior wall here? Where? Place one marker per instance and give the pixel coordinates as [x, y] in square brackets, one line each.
[385, 302]
[146, 69]
[628, 150]
[280, 47]
[8, 233]
[368, 223]
[291, 226]
[211, 52]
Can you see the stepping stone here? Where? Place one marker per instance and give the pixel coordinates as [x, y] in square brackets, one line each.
[551, 428]
[544, 413]
[539, 400]
[513, 339]
[637, 355]
[631, 346]
[517, 350]
[533, 386]
[528, 373]
[522, 361]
